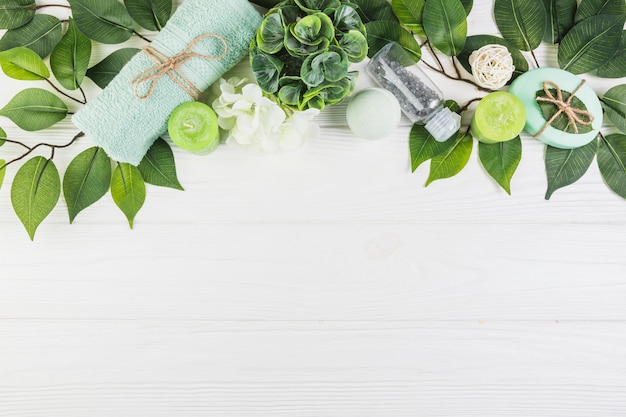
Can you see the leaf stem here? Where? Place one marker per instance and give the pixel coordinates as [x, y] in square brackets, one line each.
[432, 67]
[41, 6]
[532, 53]
[65, 94]
[31, 149]
[466, 106]
[141, 36]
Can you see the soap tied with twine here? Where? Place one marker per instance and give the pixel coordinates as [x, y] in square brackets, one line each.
[565, 107]
[170, 66]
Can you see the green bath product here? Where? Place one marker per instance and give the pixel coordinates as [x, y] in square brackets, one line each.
[193, 126]
[499, 117]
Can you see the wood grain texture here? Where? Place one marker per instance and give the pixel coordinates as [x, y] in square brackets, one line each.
[325, 282]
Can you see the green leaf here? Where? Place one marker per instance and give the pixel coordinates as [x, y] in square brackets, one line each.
[410, 13]
[86, 180]
[467, 5]
[105, 21]
[150, 14]
[588, 8]
[381, 33]
[158, 166]
[24, 64]
[128, 190]
[70, 58]
[500, 160]
[616, 66]
[270, 37]
[35, 192]
[562, 121]
[453, 160]
[35, 109]
[590, 43]
[375, 10]
[267, 70]
[521, 22]
[424, 147]
[566, 166]
[614, 104]
[41, 35]
[16, 13]
[103, 72]
[3, 136]
[612, 162]
[445, 24]
[560, 19]
[473, 43]
[3, 170]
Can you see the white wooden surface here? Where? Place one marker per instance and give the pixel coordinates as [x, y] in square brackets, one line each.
[322, 282]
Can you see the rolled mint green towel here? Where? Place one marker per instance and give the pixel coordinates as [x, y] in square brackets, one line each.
[126, 126]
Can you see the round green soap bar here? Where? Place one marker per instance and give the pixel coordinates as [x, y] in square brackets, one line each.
[526, 87]
[193, 127]
[499, 116]
[373, 113]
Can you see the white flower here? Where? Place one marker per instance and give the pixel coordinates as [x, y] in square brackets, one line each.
[253, 121]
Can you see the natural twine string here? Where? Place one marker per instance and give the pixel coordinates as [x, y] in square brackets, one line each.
[169, 66]
[564, 107]
[492, 66]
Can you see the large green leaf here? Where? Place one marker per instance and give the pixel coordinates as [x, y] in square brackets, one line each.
[472, 43]
[150, 14]
[445, 24]
[35, 192]
[35, 109]
[105, 21]
[612, 162]
[103, 72]
[22, 63]
[128, 190]
[588, 8]
[41, 35]
[86, 180]
[560, 19]
[566, 166]
[374, 10]
[590, 43]
[616, 66]
[614, 104]
[453, 160]
[382, 32]
[70, 58]
[158, 166]
[16, 13]
[521, 22]
[467, 5]
[410, 14]
[3, 170]
[500, 160]
[424, 147]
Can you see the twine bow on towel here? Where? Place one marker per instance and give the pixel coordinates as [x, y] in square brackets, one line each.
[169, 66]
[565, 107]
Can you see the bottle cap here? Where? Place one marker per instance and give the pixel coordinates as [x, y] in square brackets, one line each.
[443, 124]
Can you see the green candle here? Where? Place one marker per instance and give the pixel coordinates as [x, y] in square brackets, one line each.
[193, 127]
[499, 116]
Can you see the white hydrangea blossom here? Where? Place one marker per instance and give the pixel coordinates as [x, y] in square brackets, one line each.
[253, 121]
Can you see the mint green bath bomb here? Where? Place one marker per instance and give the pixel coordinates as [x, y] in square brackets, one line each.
[373, 113]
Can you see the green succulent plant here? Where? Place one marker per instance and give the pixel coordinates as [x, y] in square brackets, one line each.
[303, 50]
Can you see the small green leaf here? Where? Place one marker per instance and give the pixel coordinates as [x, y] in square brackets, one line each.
[105, 21]
[24, 64]
[500, 160]
[453, 160]
[3, 136]
[616, 66]
[588, 8]
[103, 72]
[473, 43]
[3, 170]
[158, 166]
[381, 33]
[445, 24]
[521, 22]
[70, 58]
[424, 147]
[375, 10]
[410, 14]
[612, 162]
[128, 190]
[41, 35]
[150, 14]
[35, 192]
[86, 180]
[614, 104]
[590, 43]
[16, 13]
[566, 166]
[562, 121]
[35, 109]
[560, 19]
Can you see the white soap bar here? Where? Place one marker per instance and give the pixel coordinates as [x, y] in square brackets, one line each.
[373, 113]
